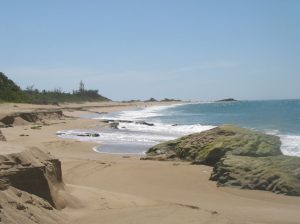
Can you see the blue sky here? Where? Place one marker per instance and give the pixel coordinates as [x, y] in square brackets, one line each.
[140, 49]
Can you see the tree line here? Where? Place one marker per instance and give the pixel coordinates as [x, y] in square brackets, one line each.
[10, 92]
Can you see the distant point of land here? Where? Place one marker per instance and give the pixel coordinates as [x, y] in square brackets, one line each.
[227, 100]
[152, 100]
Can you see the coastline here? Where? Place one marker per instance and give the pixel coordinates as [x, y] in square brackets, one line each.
[123, 189]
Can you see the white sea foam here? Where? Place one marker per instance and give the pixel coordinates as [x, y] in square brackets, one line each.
[272, 131]
[81, 135]
[135, 115]
[174, 130]
[134, 134]
[290, 145]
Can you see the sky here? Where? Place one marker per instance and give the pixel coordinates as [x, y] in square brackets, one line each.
[136, 49]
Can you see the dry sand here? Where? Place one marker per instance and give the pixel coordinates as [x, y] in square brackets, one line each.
[120, 189]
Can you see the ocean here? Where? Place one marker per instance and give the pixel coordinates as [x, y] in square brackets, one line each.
[140, 129]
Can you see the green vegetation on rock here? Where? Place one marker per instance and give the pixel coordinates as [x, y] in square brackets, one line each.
[240, 157]
[279, 174]
[209, 146]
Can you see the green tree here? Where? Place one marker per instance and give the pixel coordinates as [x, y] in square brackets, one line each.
[9, 91]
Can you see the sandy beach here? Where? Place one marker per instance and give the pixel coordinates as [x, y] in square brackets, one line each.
[106, 188]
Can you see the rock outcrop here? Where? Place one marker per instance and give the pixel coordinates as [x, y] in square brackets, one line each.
[210, 146]
[240, 157]
[2, 137]
[279, 174]
[115, 123]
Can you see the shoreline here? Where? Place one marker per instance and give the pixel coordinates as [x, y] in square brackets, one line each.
[116, 153]
[116, 188]
[160, 128]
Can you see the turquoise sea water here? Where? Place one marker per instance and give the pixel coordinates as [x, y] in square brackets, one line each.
[278, 117]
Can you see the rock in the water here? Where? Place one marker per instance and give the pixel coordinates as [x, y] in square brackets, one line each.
[144, 123]
[114, 125]
[210, 146]
[279, 174]
[2, 137]
[87, 134]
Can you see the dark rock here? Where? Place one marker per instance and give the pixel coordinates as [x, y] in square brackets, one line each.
[88, 135]
[144, 123]
[114, 125]
[84, 135]
[117, 121]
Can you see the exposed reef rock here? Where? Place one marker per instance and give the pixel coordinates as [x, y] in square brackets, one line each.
[241, 158]
[210, 146]
[2, 137]
[32, 117]
[114, 124]
[144, 123]
[279, 174]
